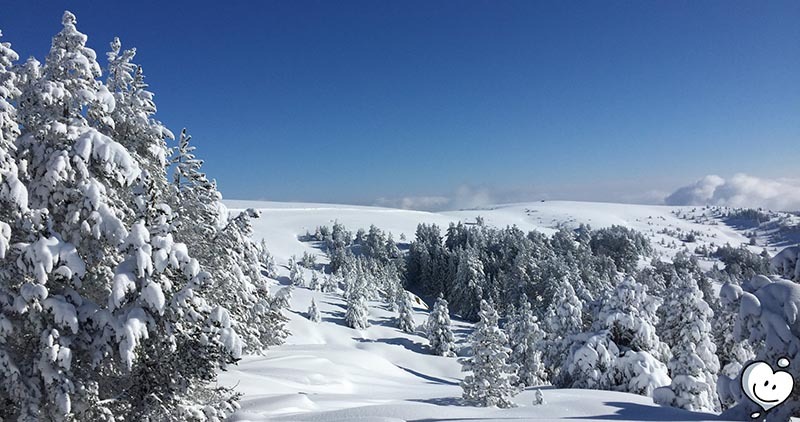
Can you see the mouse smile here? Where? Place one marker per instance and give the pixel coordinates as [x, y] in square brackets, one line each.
[755, 393]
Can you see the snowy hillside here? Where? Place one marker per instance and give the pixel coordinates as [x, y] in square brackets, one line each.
[327, 371]
[281, 222]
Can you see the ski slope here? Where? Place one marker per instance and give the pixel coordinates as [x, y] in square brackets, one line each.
[329, 372]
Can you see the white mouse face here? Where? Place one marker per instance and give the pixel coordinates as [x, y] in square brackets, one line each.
[766, 387]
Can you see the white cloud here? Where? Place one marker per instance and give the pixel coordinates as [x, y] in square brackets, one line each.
[464, 197]
[426, 203]
[741, 190]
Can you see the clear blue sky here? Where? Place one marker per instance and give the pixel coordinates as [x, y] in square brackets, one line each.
[351, 101]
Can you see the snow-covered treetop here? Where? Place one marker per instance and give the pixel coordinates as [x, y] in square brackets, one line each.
[70, 60]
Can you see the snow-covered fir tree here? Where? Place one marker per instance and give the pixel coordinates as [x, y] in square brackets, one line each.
[629, 314]
[283, 297]
[296, 276]
[223, 245]
[732, 352]
[240, 285]
[538, 398]
[357, 311]
[765, 320]
[313, 312]
[694, 365]
[331, 284]
[405, 318]
[493, 381]
[131, 121]
[623, 351]
[564, 317]
[314, 284]
[525, 340]
[468, 283]
[440, 336]
[103, 303]
[267, 260]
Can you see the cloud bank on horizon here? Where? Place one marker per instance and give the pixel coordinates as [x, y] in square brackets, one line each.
[741, 190]
[463, 198]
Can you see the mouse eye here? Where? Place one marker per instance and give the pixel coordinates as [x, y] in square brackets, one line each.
[766, 383]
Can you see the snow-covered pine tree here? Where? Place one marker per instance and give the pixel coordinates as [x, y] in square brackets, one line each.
[440, 336]
[525, 338]
[224, 247]
[564, 317]
[9, 126]
[314, 284]
[131, 122]
[102, 303]
[493, 381]
[629, 314]
[75, 177]
[296, 276]
[313, 312]
[694, 365]
[766, 318]
[240, 285]
[392, 287]
[156, 290]
[468, 284]
[283, 297]
[13, 194]
[357, 310]
[622, 352]
[17, 391]
[197, 202]
[330, 285]
[405, 319]
[267, 260]
[732, 352]
[538, 398]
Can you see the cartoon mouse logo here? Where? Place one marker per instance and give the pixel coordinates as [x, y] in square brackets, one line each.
[765, 386]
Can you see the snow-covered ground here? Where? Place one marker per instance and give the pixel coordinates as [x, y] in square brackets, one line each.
[329, 372]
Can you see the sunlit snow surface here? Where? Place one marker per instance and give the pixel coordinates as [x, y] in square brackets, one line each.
[329, 372]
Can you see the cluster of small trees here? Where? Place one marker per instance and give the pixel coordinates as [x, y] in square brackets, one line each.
[579, 309]
[582, 311]
[367, 266]
[473, 262]
[122, 292]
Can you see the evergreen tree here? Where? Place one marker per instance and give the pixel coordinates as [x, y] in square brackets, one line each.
[283, 297]
[525, 340]
[267, 260]
[18, 395]
[623, 352]
[314, 284]
[103, 303]
[313, 312]
[630, 316]
[405, 320]
[694, 364]
[438, 329]
[296, 276]
[131, 121]
[357, 311]
[468, 284]
[564, 318]
[330, 285]
[493, 380]
[538, 398]
[224, 247]
[732, 353]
